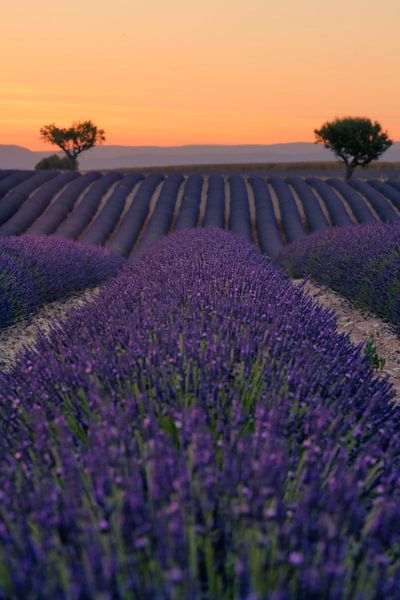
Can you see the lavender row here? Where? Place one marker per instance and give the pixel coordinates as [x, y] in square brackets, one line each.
[214, 215]
[82, 214]
[290, 215]
[132, 223]
[361, 262]
[315, 217]
[388, 190]
[11, 180]
[16, 197]
[161, 219]
[190, 207]
[239, 214]
[267, 227]
[36, 270]
[357, 203]
[105, 222]
[334, 204]
[5, 173]
[383, 208]
[28, 212]
[62, 206]
[200, 430]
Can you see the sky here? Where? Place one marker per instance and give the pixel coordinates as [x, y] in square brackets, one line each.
[174, 72]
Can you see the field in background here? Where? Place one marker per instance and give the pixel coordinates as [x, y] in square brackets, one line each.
[302, 169]
[128, 211]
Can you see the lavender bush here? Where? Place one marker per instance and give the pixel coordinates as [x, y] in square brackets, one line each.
[201, 431]
[35, 270]
[361, 262]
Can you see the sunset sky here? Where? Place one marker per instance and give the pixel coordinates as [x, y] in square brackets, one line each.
[158, 72]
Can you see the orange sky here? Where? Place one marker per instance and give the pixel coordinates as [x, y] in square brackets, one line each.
[169, 72]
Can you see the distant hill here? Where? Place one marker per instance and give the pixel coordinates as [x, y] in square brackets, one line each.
[114, 157]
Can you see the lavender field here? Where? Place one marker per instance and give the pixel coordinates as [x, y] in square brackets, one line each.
[128, 212]
[198, 429]
[362, 263]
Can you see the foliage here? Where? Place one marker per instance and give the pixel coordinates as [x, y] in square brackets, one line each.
[73, 140]
[354, 140]
[371, 351]
[54, 162]
[200, 430]
[361, 262]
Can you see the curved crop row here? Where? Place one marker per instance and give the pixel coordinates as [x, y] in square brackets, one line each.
[5, 173]
[387, 190]
[267, 227]
[291, 219]
[332, 201]
[100, 230]
[11, 181]
[48, 222]
[214, 214]
[35, 270]
[19, 193]
[239, 215]
[190, 208]
[218, 441]
[315, 217]
[83, 213]
[27, 214]
[132, 223]
[361, 262]
[394, 183]
[381, 205]
[161, 218]
[359, 207]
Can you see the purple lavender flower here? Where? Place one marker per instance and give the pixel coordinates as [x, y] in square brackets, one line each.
[226, 442]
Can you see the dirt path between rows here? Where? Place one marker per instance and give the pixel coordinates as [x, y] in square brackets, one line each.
[360, 326]
[24, 333]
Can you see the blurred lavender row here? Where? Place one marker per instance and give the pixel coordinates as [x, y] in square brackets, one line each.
[127, 212]
[361, 262]
[199, 430]
[35, 270]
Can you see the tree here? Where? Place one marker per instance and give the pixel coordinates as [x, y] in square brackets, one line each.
[354, 140]
[54, 162]
[81, 136]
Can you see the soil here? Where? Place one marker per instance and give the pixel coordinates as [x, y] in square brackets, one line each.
[362, 327]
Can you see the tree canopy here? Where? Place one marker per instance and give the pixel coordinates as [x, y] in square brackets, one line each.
[54, 162]
[354, 140]
[73, 140]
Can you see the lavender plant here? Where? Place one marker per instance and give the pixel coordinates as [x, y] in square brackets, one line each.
[200, 430]
[361, 262]
[35, 270]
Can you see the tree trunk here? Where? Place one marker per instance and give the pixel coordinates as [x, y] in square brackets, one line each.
[349, 171]
[72, 161]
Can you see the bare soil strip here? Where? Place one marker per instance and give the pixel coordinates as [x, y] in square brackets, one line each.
[152, 207]
[346, 206]
[361, 327]
[178, 204]
[252, 209]
[277, 211]
[203, 201]
[227, 203]
[322, 205]
[13, 338]
[300, 208]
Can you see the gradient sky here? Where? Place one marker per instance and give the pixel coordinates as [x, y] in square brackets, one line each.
[170, 72]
